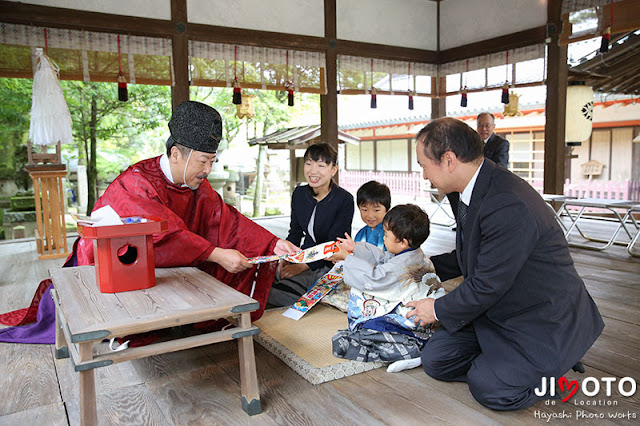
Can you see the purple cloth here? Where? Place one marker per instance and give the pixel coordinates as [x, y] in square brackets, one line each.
[43, 331]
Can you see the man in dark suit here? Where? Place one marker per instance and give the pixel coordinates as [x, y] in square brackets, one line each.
[522, 312]
[495, 149]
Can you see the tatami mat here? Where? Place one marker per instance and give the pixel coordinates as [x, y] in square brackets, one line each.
[305, 345]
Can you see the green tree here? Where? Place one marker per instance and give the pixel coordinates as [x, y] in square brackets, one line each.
[98, 116]
[14, 126]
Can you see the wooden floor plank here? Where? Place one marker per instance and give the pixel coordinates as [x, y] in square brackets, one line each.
[28, 378]
[406, 399]
[202, 397]
[129, 405]
[132, 373]
[52, 414]
[286, 397]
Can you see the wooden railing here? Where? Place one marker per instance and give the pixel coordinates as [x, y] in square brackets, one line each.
[399, 183]
[412, 184]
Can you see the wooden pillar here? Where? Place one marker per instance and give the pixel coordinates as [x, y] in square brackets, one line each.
[556, 104]
[439, 101]
[51, 233]
[180, 53]
[329, 102]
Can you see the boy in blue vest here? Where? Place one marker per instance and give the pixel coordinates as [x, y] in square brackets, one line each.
[374, 200]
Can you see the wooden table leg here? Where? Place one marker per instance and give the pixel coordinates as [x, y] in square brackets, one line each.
[62, 350]
[88, 410]
[248, 376]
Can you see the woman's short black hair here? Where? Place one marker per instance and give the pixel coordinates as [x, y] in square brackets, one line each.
[408, 221]
[322, 152]
[374, 192]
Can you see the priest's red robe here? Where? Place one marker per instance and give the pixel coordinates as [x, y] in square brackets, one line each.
[198, 221]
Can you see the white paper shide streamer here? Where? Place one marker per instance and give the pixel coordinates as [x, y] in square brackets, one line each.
[50, 118]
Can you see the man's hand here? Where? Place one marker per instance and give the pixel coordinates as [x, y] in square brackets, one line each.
[423, 312]
[231, 260]
[285, 247]
[288, 270]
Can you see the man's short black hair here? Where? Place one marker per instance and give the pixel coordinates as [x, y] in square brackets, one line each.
[322, 152]
[448, 134]
[408, 221]
[374, 192]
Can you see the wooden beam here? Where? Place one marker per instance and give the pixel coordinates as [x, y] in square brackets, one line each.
[228, 35]
[382, 51]
[499, 44]
[180, 52]
[556, 104]
[329, 102]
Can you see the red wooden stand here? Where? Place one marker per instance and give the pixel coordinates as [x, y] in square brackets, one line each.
[124, 254]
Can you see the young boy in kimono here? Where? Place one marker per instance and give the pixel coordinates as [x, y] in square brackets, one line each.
[381, 285]
[374, 201]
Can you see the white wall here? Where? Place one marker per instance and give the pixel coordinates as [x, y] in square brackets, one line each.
[405, 23]
[304, 17]
[464, 22]
[156, 9]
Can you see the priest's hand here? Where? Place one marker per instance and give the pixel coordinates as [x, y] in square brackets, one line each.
[231, 260]
[288, 270]
[423, 312]
[285, 247]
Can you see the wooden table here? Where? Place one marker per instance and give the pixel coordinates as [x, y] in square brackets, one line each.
[86, 316]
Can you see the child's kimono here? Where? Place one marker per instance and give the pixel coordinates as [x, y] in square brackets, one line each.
[373, 236]
[381, 285]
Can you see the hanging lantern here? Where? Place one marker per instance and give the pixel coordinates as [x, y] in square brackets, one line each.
[579, 118]
[246, 108]
[463, 99]
[123, 93]
[512, 108]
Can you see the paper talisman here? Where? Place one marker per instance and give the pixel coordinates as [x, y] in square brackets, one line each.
[319, 252]
[321, 288]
